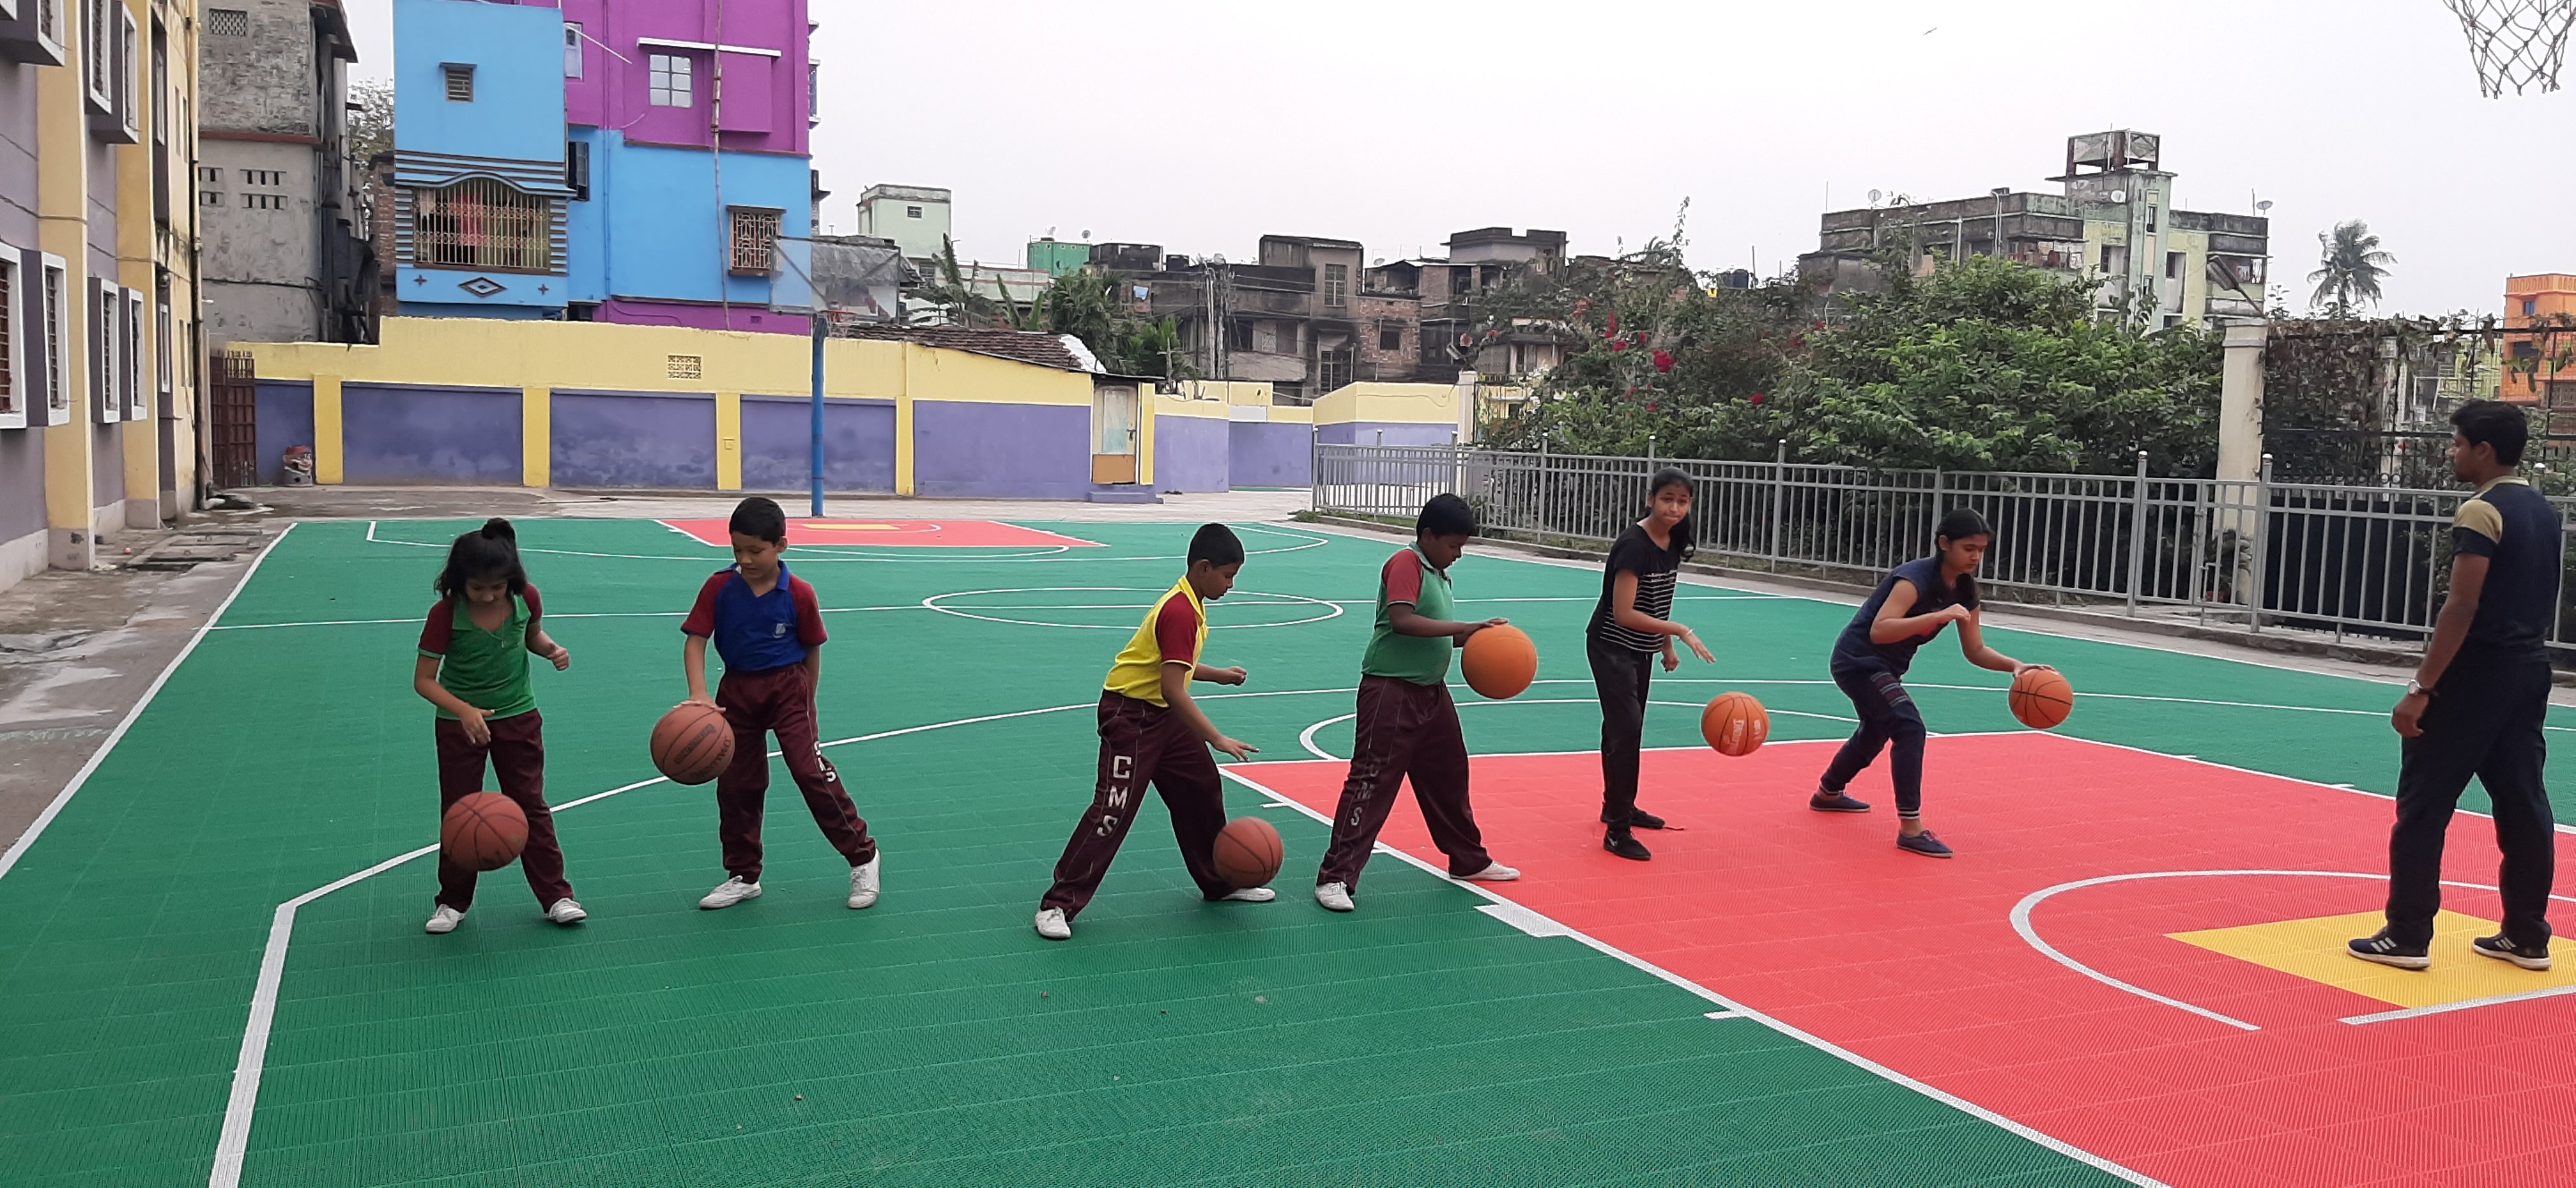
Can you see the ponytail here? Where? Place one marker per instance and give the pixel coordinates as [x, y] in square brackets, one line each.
[487, 553]
[1960, 524]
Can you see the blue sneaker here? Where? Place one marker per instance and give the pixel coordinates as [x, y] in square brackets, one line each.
[2384, 949]
[1836, 802]
[1923, 843]
[2534, 957]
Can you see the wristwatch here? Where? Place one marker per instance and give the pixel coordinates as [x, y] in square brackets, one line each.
[2413, 689]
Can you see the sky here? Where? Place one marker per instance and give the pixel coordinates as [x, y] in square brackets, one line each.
[1202, 127]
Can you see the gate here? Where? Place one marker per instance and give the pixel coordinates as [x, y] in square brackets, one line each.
[233, 434]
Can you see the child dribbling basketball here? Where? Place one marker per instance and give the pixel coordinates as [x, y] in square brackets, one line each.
[1632, 625]
[1911, 605]
[768, 628]
[1151, 732]
[1407, 727]
[473, 666]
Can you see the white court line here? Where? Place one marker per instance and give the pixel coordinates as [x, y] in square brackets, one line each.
[2021, 924]
[1055, 553]
[1523, 917]
[1306, 737]
[54, 808]
[2448, 1007]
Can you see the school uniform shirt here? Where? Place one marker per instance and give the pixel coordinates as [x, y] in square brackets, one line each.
[1409, 578]
[757, 632]
[2516, 530]
[1174, 632]
[1657, 570]
[484, 669]
[1931, 593]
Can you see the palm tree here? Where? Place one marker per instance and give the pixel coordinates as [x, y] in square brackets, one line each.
[2350, 268]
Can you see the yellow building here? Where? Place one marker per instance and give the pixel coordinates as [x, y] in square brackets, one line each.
[98, 373]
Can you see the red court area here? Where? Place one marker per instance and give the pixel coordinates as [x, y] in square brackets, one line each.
[1819, 921]
[916, 534]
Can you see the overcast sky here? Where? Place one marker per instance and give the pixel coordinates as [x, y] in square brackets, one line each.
[1202, 126]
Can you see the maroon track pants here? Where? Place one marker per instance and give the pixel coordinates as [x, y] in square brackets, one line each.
[1142, 743]
[1404, 730]
[518, 756]
[755, 705]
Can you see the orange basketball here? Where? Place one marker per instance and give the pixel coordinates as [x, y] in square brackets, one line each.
[1248, 852]
[2041, 698]
[1500, 662]
[483, 831]
[1735, 723]
[693, 744]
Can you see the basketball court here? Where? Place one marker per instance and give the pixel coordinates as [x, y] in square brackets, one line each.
[216, 973]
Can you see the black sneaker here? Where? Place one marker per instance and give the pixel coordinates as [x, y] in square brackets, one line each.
[1637, 819]
[2387, 950]
[1625, 845]
[1923, 843]
[1836, 802]
[2527, 956]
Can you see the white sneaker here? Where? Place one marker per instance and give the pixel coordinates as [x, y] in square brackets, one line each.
[1053, 926]
[566, 911]
[1494, 872]
[863, 883]
[1250, 895]
[1334, 896]
[729, 893]
[443, 921]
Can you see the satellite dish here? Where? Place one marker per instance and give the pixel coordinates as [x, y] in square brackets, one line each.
[2119, 195]
[1873, 195]
[2264, 205]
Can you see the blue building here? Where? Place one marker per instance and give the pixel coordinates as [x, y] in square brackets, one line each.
[595, 161]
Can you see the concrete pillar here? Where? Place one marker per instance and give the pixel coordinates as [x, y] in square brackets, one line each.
[62, 212]
[135, 230]
[2240, 403]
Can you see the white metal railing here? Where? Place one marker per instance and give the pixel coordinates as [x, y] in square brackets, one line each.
[2249, 554]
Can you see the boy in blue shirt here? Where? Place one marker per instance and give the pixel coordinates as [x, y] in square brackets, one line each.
[768, 627]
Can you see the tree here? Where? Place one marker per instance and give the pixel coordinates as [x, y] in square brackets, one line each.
[2350, 267]
[371, 120]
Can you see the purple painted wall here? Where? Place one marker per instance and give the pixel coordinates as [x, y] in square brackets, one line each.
[285, 419]
[1190, 454]
[22, 482]
[1268, 454]
[18, 155]
[753, 318]
[107, 464]
[1005, 451]
[618, 439]
[1397, 434]
[765, 98]
[778, 443]
[401, 433]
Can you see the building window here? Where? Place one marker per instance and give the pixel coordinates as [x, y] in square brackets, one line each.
[129, 375]
[481, 223]
[1238, 335]
[210, 197]
[1332, 371]
[1390, 338]
[129, 81]
[755, 232]
[104, 396]
[2173, 265]
[572, 49]
[13, 385]
[259, 202]
[227, 22]
[49, 20]
[263, 177]
[2525, 352]
[912, 212]
[209, 173]
[101, 54]
[1337, 285]
[460, 81]
[57, 314]
[577, 169]
[1462, 281]
[668, 75]
[813, 91]
[2530, 307]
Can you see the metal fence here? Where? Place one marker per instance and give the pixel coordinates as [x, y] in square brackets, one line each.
[2254, 554]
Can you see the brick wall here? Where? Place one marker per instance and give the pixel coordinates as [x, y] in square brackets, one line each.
[1378, 315]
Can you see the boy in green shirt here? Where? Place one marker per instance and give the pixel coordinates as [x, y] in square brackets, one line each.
[1407, 726]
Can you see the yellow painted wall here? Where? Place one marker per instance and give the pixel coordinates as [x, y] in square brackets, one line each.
[1425, 404]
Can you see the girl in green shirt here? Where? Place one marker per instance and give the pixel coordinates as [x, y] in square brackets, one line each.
[473, 666]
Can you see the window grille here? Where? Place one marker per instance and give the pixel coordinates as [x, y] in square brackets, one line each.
[481, 223]
[460, 83]
[227, 22]
[11, 406]
[58, 395]
[49, 20]
[668, 75]
[754, 232]
[94, 33]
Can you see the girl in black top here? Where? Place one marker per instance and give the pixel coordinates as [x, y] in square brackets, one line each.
[1631, 624]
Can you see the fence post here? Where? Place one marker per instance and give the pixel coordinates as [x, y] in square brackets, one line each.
[2262, 539]
[1779, 497]
[2138, 533]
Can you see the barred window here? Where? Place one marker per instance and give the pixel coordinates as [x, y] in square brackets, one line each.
[755, 230]
[49, 20]
[13, 411]
[58, 394]
[460, 82]
[668, 76]
[481, 223]
[94, 35]
[227, 22]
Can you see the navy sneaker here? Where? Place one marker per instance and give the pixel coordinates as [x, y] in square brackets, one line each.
[1836, 802]
[1625, 845]
[1923, 843]
[1637, 819]
[2387, 950]
[2527, 956]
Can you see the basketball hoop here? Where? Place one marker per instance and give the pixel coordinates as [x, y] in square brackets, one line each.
[2515, 43]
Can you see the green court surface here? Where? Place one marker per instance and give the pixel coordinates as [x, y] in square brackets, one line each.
[934, 1039]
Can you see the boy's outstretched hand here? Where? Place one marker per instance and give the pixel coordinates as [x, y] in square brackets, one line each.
[1240, 750]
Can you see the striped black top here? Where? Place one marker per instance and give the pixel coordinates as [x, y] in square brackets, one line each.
[1656, 570]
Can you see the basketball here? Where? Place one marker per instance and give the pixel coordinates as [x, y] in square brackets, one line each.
[482, 831]
[1248, 852]
[692, 744]
[2041, 698]
[1500, 662]
[1735, 723]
